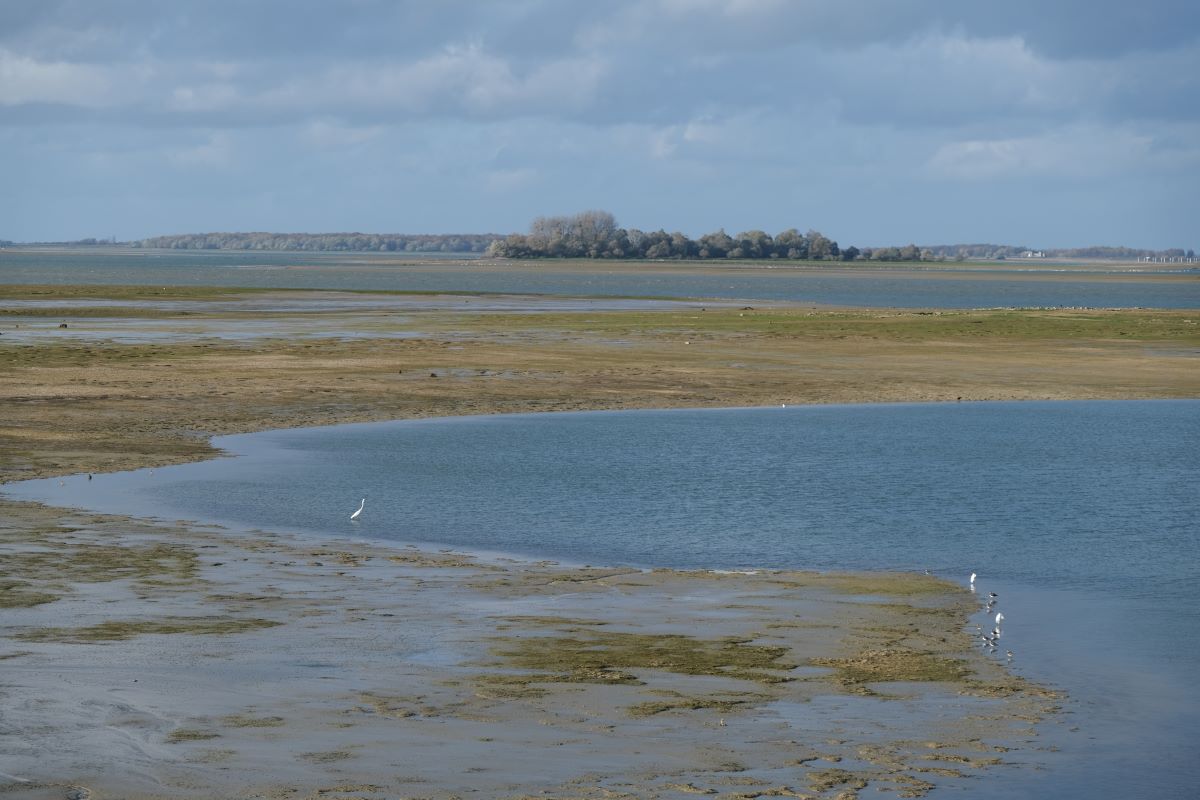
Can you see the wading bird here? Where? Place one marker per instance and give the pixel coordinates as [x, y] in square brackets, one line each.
[360, 508]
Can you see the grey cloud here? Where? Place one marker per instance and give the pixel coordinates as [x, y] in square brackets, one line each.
[658, 61]
[719, 112]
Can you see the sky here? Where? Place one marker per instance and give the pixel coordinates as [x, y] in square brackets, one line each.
[877, 122]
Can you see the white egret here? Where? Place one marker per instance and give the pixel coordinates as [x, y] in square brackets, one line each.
[360, 508]
[972, 581]
[999, 618]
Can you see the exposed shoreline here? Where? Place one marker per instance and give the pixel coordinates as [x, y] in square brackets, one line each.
[199, 662]
[148, 660]
[194, 377]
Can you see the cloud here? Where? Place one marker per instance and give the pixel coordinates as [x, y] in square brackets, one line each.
[25, 80]
[503, 181]
[1077, 152]
[684, 113]
[333, 135]
[662, 62]
[217, 151]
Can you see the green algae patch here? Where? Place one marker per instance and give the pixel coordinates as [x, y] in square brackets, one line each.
[394, 706]
[512, 687]
[600, 652]
[675, 701]
[246, 721]
[19, 594]
[327, 757]
[826, 779]
[119, 630]
[190, 735]
[895, 664]
[567, 623]
[96, 563]
[892, 584]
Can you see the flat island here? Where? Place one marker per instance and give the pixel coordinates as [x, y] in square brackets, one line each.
[146, 659]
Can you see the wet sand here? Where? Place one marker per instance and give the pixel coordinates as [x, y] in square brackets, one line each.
[157, 660]
[144, 660]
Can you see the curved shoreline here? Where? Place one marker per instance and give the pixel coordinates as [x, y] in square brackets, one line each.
[327, 658]
[65, 397]
[316, 657]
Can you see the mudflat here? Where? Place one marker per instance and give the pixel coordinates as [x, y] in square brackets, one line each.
[198, 362]
[152, 660]
[145, 661]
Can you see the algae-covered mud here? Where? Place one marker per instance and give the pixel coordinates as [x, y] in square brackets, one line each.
[212, 664]
[152, 660]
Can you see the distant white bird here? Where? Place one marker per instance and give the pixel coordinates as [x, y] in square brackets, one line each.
[999, 618]
[360, 508]
[972, 581]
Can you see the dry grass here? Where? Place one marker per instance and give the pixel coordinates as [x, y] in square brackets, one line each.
[92, 406]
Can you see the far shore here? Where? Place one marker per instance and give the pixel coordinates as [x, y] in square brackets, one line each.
[1024, 265]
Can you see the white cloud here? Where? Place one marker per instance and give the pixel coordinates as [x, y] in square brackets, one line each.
[217, 151]
[204, 97]
[1075, 152]
[27, 80]
[458, 80]
[502, 181]
[330, 134]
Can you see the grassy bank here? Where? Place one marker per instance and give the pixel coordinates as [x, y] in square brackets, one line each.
[74, 403]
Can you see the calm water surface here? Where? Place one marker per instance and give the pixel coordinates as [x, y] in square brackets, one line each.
[1083, 516]
[871, 287]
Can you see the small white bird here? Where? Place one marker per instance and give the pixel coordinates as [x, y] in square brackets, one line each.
[360, 508]
[999, 618]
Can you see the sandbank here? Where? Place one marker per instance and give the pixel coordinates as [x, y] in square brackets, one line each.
[149, 659]
[144, 660]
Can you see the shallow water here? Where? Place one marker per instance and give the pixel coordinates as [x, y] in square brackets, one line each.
[318, 315]
[876, 287]
[1082, 516]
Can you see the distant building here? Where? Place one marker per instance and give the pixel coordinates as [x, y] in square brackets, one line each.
[1033, 254]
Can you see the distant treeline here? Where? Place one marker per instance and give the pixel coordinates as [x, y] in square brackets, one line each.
[377, 242]
[594, 234]
[1004, 251]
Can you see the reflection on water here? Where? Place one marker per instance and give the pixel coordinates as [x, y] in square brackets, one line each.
[1081, 516]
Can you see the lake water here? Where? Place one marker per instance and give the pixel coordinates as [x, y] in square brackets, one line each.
[1083, 516]
[878, 287]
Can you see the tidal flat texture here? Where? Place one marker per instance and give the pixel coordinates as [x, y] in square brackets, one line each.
[212, 664]
[106, 393]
